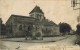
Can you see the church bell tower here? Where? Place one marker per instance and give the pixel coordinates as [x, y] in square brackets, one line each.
[37, 13]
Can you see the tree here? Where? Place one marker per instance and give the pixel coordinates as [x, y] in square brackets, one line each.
[64, 28]
[3, 29]
[78, 34]
[78, 29]
[29, 32]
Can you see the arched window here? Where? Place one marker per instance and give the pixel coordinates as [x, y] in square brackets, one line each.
[20, 27]
[37, 16]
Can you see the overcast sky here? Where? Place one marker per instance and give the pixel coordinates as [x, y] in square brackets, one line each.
[55, 10]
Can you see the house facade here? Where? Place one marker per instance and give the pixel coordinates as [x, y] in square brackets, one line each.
[35, 24]
[0, 25]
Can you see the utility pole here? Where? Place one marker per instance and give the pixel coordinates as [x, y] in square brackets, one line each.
[76, 3]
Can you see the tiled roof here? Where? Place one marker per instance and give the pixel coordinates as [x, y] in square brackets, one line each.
[49, 23]
[21, 16]
[33, 20]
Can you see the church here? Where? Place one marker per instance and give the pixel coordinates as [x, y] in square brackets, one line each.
[35, 24]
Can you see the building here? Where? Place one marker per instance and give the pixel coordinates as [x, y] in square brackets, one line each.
[34, 25]
[78, 19]
[0, 25]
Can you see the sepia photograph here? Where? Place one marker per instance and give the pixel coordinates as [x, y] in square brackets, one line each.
[39, 24]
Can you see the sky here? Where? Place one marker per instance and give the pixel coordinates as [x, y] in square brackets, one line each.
[54, 10]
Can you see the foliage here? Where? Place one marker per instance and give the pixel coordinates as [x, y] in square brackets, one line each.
[29, 31]
[64, 27]
[3, 29]
[38, 34]
[78, 29]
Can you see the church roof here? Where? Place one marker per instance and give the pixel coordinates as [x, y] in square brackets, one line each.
[45, 23]
[49, 23]
[36, 9]
[22, 16]
[19, 18]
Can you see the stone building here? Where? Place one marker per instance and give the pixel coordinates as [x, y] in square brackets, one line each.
[35, 24]
[0, 25]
